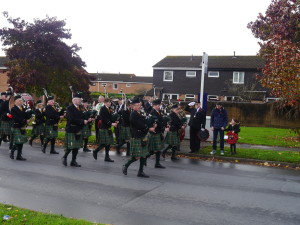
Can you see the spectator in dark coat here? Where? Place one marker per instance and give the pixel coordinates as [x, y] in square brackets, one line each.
[218, 123]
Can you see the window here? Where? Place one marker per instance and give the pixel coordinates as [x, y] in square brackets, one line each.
[189, 97]
[128, 85]
[191, 74]
[115, 86]
[171, 96]
[213, 73]
[168, 76]
[103, 84]
[238, 77]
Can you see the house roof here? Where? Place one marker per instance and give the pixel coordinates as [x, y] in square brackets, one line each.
[214, 62]
[117, 77]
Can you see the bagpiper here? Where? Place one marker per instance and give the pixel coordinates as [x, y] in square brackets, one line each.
[73, 136]
[139, 140]
[105, 138]
[6, 120]
[156, 139]
[173, 135]
[97, 108]
[19, 118]
[51, 126]
[39, 123]
[86, 130]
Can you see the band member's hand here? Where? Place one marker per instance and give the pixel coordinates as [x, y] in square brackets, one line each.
[202, 129]
[61, 117]
[94, 103]
[212, 128]
[154, 125]
[183, 127]
[85, 122]
[222, 128]
[167, 129]
[114, 124]
[152, 129]
[90, 119]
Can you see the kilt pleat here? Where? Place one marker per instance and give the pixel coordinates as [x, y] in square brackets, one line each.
[155, 143]
[136, 148]
[172, 138]
[38, 130]
[18, 138]
[105, 137]
[71, 142]
[86, 131]
[50, 132]
[124, 134]
[5, 128]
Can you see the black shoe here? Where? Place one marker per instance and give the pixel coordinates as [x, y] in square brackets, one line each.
[43, 150]
[95, 155]
[11, 155]
[75, 164]
[64, 161]
[174, 158]
[142, 174]
[30, 142]
[159, 166]
[107, 159]
[124, 170]
[54, 152]
[20, 158]
[86, 150]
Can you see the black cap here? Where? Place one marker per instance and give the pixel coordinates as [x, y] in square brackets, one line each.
[8, 93]
[135, 100]
[17, 97]
[77, 95]
[50, 98]
[3, 93]
[85, 100]
[156, 102]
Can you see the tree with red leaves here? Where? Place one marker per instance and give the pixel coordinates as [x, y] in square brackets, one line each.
[39, 58]
[279, 32]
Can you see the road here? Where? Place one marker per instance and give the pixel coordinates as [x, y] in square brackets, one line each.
[186, 192]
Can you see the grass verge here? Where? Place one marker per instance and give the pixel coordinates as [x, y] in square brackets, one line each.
[24, 216]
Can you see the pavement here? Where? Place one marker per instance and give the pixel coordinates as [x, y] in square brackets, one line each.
[187, 192]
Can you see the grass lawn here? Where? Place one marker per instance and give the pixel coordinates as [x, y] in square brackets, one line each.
[268, 155]
[268, 136]
[24, 216]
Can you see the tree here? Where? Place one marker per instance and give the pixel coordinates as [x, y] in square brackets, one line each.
[39, 58]
[279, 32]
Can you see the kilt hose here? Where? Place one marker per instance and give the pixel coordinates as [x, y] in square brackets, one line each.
[18, 137]
[6, 127]
[172, 138]
[124, 134]
[105, 137]
[38, 130]
[86, 131]
[71, 142]
[50, 132]
[137, 149]
[155, 143]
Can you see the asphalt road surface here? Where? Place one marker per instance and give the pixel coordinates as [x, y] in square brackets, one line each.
[186, 192]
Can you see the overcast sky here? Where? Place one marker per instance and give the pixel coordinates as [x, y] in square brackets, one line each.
[130, 36]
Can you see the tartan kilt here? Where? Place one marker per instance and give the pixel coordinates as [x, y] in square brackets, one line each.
[155, 143]
[18, 138]
[86, 131]
[104, 138]
[136, 148]
[50, 132]
[172, 138]
[125, 133]
[6, 127]
[71, 142]
[38, 130]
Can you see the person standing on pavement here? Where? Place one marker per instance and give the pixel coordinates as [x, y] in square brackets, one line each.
[197, 122]
[234, 127]
[218, 123]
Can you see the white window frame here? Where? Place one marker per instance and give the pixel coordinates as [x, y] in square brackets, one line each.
[165, 94]
[187, 97]
[214, 76]
[166, 73]
[128, 85]
[115, 88]
[191, 75]
[240, 77]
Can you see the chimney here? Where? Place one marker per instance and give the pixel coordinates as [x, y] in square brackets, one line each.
[234, 57]
[192, 57]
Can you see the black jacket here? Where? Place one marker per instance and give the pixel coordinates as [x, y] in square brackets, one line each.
[52, 116]
[176, 123]
[125, 117]
[138, 125]
[75, 119]
[106, 118]
[159, 122]
[19, 117]
[4, 110]
[235, 128]
[39, 117]
[197, 119]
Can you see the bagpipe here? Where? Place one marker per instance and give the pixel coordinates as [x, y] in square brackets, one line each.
[232, 138]
[61, 111]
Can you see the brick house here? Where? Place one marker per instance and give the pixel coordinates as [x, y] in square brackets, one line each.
[115, 82]
[228, 77]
